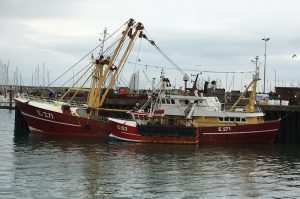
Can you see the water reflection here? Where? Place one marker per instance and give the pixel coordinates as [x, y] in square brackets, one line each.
[97, 168]
[45, 167]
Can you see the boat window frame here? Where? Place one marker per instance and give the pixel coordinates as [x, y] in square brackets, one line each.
[168, 101]
[182, 102]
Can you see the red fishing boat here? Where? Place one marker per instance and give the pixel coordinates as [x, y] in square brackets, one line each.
[253, 133]
[56, 118]
[193, 119]
[60, 117]
[130, 131]
[157, 131]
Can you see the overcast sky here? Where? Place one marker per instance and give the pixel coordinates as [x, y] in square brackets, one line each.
[211, 35]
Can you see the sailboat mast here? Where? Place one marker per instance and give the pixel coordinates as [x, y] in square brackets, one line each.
[38, 76]
[43, 75]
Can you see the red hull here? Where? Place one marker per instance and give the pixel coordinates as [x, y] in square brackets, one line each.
[123, 132]
[47, 122]
[254, 133]
[250, 133]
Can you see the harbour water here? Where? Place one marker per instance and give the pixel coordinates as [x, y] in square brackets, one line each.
[45, 167]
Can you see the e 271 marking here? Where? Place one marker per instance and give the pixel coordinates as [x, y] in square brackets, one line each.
[224, 128]
[45, 114]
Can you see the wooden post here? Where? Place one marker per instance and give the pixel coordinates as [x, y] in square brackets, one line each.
[10, 98]
[21, 127]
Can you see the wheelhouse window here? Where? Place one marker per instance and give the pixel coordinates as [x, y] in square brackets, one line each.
[182, 102]
[232, 119]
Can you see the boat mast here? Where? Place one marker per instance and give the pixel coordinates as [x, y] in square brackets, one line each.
[250, 106]
[139, 27]
[103, 40]
[95, 71]
[157, 94]
[97, 96]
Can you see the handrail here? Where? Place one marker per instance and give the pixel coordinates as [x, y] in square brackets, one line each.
[45, 99]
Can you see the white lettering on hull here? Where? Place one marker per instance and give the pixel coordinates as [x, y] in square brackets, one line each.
[122, 128]
[224, 128]
[45, 114]
[28, 115]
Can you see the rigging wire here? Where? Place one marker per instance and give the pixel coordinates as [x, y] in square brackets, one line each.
[230, 64]
[192, 70]
[125, 60]
[112, 45]
[90, 65]
[166, 56]
[90, 75]
[106, 78]
[231, 81]
[123, 81]
[180, 70]
[137, 56]
[72, 66]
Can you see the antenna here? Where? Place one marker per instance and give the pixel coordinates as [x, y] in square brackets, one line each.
[185, 79]
[153, 84]
[103, 40]
[255, 61]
